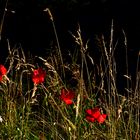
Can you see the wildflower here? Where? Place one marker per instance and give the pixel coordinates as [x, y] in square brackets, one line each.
[101, 118]
[38, 76]
[95, 115]
[94, 112]
[90, 118]
[67, 96]
[3, 71]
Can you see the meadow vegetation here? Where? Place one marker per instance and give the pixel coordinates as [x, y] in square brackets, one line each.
[50, 99]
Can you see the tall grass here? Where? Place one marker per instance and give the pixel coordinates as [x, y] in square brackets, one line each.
[36, 112]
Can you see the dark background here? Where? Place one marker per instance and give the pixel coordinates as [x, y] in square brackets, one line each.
[31, 27]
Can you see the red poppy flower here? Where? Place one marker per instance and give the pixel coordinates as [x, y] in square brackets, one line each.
[3, 71]
[90, 119]
[93, 112]
[38, 76]
[67, 96]
[101, 118]
[95, 115]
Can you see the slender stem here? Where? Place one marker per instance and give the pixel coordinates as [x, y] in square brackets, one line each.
[2, 21]
[57, 40]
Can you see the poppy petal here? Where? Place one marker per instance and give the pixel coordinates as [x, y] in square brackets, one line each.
[90, 119]
[68, 101]
[94, 112]
[38, 76]
[67, 96]
[101, 118]
[3, 70]
[89, 111]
